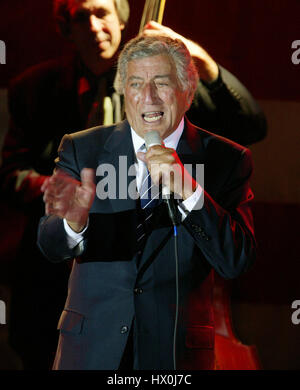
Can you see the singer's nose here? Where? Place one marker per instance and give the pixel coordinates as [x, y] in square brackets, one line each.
[150, 94]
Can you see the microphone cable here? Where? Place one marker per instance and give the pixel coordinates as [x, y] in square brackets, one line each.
[173, 216]
[177, 295]
[153, 138]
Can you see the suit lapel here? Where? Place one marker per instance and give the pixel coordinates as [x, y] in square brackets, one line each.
[190, 147]
[118, 157]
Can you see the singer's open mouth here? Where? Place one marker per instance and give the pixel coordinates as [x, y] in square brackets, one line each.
[152, 116]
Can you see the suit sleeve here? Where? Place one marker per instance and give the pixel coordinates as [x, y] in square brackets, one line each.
[227, 108]
[223, 228]
[52, 237]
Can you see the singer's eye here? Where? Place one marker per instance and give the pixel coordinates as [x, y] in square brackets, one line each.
[162, 84]
[135, 84]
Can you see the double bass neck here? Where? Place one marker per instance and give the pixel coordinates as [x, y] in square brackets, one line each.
[153, 10]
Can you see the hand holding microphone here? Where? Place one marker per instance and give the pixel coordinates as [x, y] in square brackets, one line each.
[152, 139]
[166, 168]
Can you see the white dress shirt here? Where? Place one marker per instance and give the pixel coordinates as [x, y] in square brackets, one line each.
[138, 144]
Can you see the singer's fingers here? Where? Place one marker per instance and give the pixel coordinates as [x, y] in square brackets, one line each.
[55, 209]
[48, 196]
[59, 187]
[152, 151]
[141, 156]
[87, 177]
[159, 150]
[167, 156]
[59, 184]
[45, 184]
[156, 149]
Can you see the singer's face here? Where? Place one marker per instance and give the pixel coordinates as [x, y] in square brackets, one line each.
[153, 97]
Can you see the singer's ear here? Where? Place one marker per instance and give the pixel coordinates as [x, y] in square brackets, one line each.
[189, 99]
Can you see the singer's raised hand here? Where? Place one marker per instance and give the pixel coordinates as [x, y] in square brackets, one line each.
[166, 168]
[69, 198]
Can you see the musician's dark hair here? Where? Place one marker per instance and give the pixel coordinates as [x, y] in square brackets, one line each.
[62, 14]
[148, 46]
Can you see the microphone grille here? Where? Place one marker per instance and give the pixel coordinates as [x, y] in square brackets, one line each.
[152, 138]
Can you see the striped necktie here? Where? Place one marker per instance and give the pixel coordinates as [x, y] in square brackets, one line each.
[149, 199]
[149, 193]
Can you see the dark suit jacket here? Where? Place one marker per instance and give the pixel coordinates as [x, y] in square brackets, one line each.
[109, 289]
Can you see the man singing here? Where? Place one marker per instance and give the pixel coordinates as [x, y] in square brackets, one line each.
[122, 306]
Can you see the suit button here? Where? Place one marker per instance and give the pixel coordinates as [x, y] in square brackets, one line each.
[138, 290]
[205, 237]
[124, 329]
[198, 229]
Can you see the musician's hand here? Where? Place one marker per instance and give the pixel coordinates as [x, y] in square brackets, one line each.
[207, 67]
[166, 168]
[68, 198]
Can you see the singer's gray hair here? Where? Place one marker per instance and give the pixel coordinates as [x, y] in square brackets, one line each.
[146, 46]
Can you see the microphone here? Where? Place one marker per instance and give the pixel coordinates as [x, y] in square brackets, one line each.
[153, 138]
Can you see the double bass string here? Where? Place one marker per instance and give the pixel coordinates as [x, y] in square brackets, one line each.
[153, 10]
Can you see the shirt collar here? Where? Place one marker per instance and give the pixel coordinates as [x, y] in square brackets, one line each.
[170, 142]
